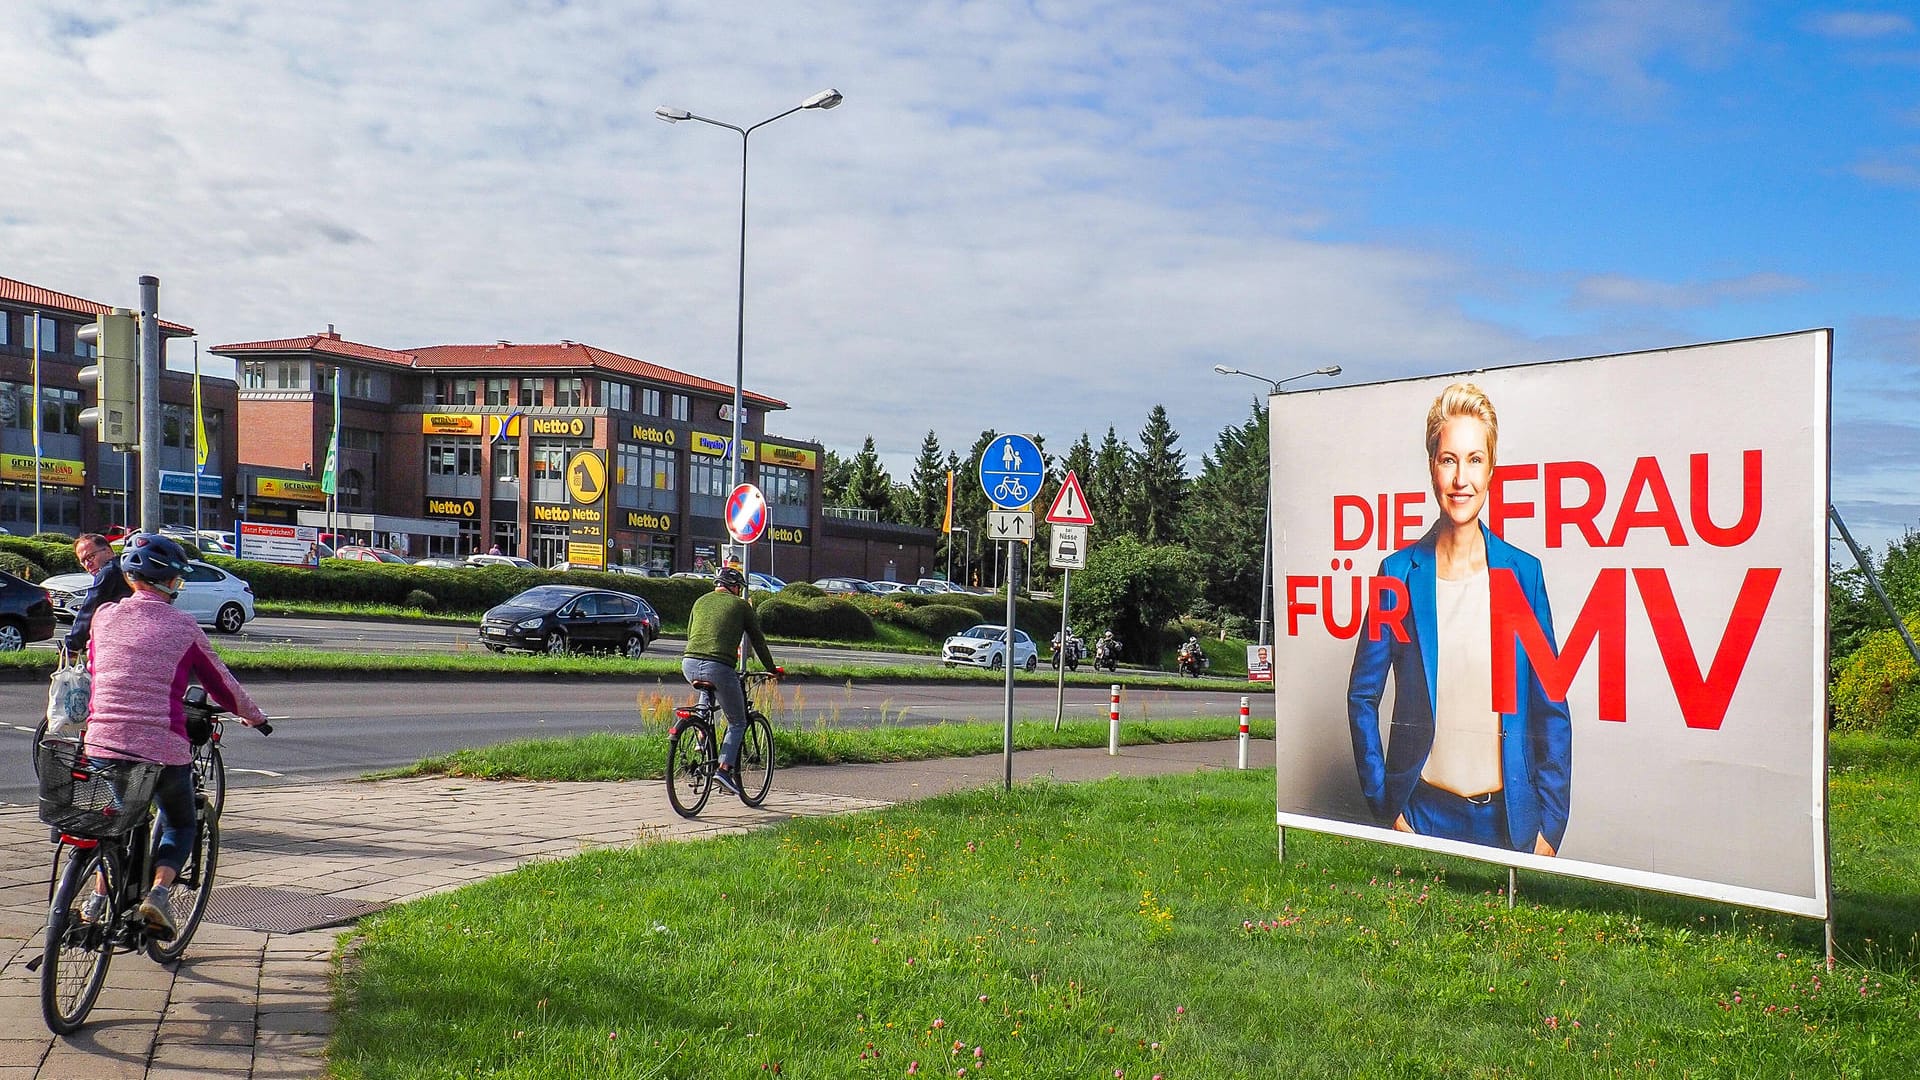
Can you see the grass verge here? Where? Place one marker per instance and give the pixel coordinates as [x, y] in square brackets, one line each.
[1131, 928]
[643, 755]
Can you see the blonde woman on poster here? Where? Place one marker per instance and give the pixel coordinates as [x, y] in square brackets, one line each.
[1452, 767]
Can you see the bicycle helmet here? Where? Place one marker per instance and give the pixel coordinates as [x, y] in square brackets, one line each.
[729, 578]
[154, 559]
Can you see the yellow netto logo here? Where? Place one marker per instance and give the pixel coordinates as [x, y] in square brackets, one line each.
[558, 515]
[575, 426]
[787, 534]
[642, 519]
[452, 508]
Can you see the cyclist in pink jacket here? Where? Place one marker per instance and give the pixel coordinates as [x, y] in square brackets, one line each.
[143, 654]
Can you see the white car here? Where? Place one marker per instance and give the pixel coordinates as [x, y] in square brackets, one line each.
[986, 646]
[514, 561]
[214, 597]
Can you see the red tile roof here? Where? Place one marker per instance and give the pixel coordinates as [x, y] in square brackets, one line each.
[500, 358]
[20, 292]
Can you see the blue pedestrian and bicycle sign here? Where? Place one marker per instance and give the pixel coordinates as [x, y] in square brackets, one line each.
[1011, 471]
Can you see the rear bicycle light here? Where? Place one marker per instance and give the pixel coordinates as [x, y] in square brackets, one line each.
[683, 713]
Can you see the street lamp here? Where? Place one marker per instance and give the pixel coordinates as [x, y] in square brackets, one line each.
[825, 99]
[1266, 526]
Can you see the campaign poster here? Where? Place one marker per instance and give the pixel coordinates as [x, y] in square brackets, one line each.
[1566, 616]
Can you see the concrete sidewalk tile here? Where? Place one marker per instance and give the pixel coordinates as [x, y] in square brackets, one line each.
[19, 1072]
[210, 1032]
[65, 1063]
[18, 1051]
[206, 1058]
[233, 1011]
[314, 1021]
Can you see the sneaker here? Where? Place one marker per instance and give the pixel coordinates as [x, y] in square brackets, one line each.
[158, 915]
[724, 777]
[94, 906]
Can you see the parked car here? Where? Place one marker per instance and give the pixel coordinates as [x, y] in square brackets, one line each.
[362, 553]
[441, 564]
[986, 646]
[221, 538]
[611, 568]
[939, 585]
[890, 587]
[566, 618]
[211, 595]
[26, 613]
[760, 582]
[847, 585]
[501, 560]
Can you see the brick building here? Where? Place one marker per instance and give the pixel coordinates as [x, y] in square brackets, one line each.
[83, 484]
[454, 449]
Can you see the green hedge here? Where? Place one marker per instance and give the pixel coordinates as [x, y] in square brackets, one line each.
[940, 621]
[1879, 688]
[820, 618]
[48, 556]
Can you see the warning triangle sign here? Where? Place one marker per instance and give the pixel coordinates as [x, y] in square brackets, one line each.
[1070, 506]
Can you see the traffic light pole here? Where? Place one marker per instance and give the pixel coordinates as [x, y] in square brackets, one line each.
[149, 403]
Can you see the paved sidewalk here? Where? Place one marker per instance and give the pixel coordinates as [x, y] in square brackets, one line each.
[249, 1004]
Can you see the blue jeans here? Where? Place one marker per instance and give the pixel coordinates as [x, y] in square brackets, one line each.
[173, 798]
[733, 701]
[1433, 811]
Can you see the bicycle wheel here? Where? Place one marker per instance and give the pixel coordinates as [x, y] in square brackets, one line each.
[39, 736]
[76, 954]
[192, 889]
[755, 770]
[691, 758]
[210, 775]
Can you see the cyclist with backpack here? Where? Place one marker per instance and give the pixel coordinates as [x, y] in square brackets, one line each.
[143, 653]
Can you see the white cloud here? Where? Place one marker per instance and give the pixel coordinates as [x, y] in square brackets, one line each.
[1618, 47]
[1860, 25]
[1619, 290]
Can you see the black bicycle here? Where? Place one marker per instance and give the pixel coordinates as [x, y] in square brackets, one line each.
[693, 750]
[103, 810]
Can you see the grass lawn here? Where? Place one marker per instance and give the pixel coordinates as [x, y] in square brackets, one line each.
[1133, 928]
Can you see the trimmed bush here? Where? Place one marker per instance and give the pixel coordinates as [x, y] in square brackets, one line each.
[55, 557]
[1878, 689]
[800, 590]
[820, 618]
[940, 621]
[22, 567]
[422, 600]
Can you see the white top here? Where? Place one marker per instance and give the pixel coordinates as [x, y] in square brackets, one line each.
[1465, 758]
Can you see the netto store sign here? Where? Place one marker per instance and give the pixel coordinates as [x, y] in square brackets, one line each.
[786, 534]
[587, 509]
[574, 427]
[453, 508]
[641, 433]
[650, 521]
[550, 515]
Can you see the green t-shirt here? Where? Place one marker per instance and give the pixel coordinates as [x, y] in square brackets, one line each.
[715, 626]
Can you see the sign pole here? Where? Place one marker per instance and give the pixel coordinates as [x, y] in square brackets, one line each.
[1007, 739]
[1059, 654]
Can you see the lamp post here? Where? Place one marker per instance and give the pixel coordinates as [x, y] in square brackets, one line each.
[1266, 526]
[825, 99]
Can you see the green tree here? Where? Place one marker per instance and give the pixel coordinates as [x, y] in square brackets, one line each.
[1106, 488]
[1159, 488]
[1854, 613]
[835, 471]
[1079, 460]
[926, 497]
[1225, 511]
[1135, 590]
[868, 485]
[970, 507]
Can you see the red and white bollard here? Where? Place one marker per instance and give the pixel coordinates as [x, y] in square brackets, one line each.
[1113, 722]
[1243, 733]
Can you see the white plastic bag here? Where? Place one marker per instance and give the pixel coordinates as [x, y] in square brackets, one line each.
[67, 699]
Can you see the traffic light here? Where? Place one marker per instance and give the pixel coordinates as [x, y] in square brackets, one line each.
[115, 377]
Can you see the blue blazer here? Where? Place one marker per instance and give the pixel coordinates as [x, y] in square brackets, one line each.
[1536, 742]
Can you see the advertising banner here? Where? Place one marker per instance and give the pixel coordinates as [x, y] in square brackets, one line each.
[274, 487]
[289, 545]
[19, 468]
[1566, 616]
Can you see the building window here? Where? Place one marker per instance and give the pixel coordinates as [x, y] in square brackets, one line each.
[253, 375]
[49, 334]
[6, 328]
[788, 492]
[359, 468]
[453, 457]
[285, 374]
[570, 393]
[456, 392]
[506, 461]
[709, 476]
[650, 402]
[531, 393]
[616, 396]
[500, 393]
[681, 407]
[360, 384]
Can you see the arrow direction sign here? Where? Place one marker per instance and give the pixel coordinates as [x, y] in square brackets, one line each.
[1010, 525]
[1070, 506]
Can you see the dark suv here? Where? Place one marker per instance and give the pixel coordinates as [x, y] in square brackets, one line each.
[26, 613]
[566, 618]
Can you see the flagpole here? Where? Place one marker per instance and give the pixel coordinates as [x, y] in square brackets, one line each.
[37, 523]
[199, 436]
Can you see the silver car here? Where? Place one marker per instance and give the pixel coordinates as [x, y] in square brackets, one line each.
[986, 646]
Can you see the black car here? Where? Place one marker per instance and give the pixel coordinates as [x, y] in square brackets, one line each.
[564, 618]
[26, 613]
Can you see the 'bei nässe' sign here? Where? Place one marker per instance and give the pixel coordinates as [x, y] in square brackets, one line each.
[1583, 632]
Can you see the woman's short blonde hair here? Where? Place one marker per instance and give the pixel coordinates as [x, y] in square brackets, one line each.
[1463, 399]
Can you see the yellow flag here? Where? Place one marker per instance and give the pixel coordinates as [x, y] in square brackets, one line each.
[946, 526]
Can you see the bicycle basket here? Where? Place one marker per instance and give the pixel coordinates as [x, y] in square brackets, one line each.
[199, 729]
[88, 797]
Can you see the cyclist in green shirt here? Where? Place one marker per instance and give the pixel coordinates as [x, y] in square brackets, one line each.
[714, 630]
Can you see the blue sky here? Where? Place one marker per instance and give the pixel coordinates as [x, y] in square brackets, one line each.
[1046, 216]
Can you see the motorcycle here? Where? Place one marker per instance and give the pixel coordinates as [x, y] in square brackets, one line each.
[1107, 654]
[1071, 653]
[1193, 662]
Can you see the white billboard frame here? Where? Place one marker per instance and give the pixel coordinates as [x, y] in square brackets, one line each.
[1789, 409]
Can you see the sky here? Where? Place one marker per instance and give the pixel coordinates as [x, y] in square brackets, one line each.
[1045, 217]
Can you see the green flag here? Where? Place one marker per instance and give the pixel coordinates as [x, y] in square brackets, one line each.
[328, 479]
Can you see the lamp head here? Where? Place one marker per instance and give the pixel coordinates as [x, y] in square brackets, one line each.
[672, 115]
[1222, 369]
[825, 99]
[1330, 370]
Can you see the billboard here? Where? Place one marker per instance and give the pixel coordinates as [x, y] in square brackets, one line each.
[1575, 624]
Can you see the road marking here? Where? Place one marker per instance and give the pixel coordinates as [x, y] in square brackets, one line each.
[258, 772]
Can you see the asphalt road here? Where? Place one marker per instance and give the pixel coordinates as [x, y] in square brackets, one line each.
[340, 728]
